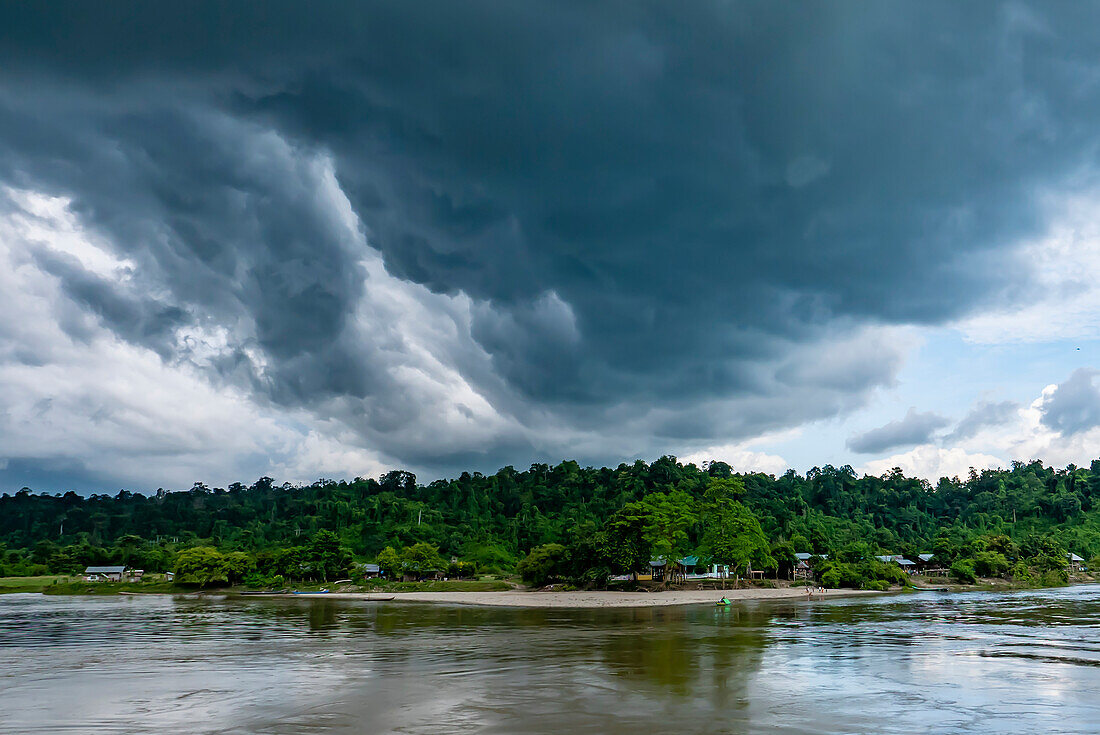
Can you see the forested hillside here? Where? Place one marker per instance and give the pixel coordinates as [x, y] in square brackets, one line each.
[495, 520]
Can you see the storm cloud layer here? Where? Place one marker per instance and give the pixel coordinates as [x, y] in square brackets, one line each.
[915, 428]
[453, 235]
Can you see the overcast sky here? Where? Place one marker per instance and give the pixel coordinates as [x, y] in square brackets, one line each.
[244, 239]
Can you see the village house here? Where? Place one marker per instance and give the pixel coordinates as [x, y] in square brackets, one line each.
[1076, 563]
[112, 574]
[656, 571]
[370, 571]
[901, 561]
[928, 564]
[718, 571]
[688, 568]
[802, 567]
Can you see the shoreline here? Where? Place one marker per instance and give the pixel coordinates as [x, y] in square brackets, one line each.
[585, 599]
[542, 599]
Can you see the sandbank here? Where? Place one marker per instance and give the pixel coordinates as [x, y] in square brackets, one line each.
[591, 599]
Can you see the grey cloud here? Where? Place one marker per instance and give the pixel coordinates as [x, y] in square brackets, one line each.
[704, 190]
[914, 428]
[534, 346]
[985, 413]
[847, 368]
[1074, 406]
[216, 212]
[133, 317]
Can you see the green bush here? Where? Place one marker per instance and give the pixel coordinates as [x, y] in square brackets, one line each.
[390, 563]
[891, 573]
[261, 581]
[1054, 578]
[543, 564]
[201, 565]
[963, 571]
[422, 557]
[990, 564]
[830, 578]
[868, 573]
[1022, 573]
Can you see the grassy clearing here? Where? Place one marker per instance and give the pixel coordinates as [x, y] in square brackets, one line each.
[29, 584]
[114, 588]
[67, 585]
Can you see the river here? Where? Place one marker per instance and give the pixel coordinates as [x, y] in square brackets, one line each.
[976, 662]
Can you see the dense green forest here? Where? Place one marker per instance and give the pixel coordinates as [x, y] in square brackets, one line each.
[578, 520]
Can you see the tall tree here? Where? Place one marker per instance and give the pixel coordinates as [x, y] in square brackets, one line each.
[327, 556]
[625, 545]
[733, 537]
[669, 517]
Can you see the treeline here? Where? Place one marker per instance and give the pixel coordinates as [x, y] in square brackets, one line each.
[608, 519]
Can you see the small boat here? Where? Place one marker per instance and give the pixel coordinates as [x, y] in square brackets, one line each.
[318, 592]
[723, 602]
[380, 599]
[263, 592]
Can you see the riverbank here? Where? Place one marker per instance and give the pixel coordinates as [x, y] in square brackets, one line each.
[493, 593]
[591, 599]
[29, 584]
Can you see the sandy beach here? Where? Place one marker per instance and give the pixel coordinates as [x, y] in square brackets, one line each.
[591, 599]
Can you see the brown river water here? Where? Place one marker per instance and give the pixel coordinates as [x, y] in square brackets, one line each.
[976, 662]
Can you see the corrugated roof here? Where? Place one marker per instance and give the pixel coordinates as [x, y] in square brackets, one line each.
[925, 557]
[105, 570]
[370, 567]
[898, 558]
[1074, 557]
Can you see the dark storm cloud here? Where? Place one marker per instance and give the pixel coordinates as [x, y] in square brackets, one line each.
[652, 206]
[1074, 406]
[133, 317]
[915, 428]
[985, 413]
[56, 474]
